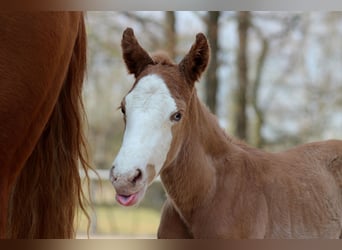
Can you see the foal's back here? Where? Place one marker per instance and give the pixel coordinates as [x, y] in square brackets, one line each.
[307, 182]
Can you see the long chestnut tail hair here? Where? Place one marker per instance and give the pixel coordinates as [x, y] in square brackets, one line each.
[48, 192]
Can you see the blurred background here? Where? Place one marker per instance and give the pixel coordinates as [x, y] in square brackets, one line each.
[275, 81]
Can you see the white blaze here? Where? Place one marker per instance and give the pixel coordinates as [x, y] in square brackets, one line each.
[148, 134]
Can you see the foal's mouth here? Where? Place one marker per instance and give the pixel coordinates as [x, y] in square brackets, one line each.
[131, 199]
[131, 191]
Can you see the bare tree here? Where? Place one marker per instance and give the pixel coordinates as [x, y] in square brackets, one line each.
[260, 116]
[170, 33]
[287, 24]
[211, 81]
[243, 19]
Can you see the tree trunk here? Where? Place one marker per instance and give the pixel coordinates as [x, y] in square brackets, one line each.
[170, 33]
[243, 19]
[211, 81]
[259, 139]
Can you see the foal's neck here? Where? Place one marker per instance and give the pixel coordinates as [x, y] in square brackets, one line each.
[190, 180]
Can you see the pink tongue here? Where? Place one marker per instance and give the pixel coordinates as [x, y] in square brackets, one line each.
[126, 200]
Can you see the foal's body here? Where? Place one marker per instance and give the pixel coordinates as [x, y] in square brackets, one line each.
[217, 187]
[236, 191]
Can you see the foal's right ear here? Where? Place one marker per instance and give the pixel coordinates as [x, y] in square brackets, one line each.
[135, 57]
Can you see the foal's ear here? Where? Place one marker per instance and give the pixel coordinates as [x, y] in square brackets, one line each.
[197, 59]
[135, 57]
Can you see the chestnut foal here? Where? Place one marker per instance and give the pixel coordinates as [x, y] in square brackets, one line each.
[217, 186]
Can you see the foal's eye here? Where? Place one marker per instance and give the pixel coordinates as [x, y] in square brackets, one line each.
[176, 117]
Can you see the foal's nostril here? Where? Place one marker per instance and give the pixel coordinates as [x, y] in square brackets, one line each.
[137, 176]
[113, 177]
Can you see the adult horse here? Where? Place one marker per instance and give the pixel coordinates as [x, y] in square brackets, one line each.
[42, 145]
[217, 187]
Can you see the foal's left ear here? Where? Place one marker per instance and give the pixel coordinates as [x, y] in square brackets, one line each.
[197, 59]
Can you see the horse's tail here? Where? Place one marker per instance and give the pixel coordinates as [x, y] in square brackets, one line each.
[48, 191]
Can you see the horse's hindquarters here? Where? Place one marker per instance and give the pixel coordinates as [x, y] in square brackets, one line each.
[35, 68]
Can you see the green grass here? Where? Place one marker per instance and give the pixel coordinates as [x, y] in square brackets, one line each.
[115, 220]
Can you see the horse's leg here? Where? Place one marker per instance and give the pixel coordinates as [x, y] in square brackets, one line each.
[171, 225]
[35, 53]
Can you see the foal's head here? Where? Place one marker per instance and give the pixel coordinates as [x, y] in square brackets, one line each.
[155, 113]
